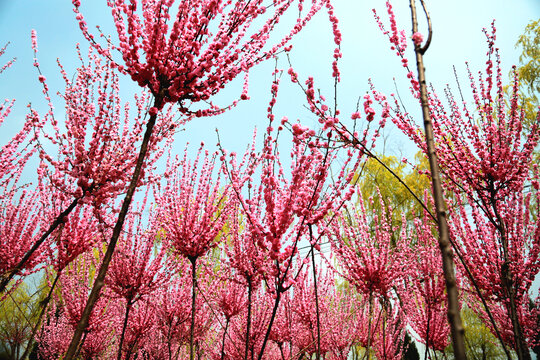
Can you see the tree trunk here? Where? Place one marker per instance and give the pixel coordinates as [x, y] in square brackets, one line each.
[248, 322]
[316, 296]
[193, 298]
[456, 325]
[223, 341]
[126, 317]
[272, 318]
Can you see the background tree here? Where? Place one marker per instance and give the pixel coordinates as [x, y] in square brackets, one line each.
[18, 314]
[374, 180]
[529, 69]
[480, 342]
[193, 211]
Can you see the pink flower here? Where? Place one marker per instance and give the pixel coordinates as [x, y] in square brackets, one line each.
[297, 129]
[417, 38]
[182, 60]
[153, 111]
[34, 39]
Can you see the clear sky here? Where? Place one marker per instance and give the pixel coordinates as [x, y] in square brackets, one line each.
[366, 54]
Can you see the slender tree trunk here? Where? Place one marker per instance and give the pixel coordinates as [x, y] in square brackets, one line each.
[456, 325]
[169, 341]
[248, 322]
[100, 279]
[368, 345]
[280, 345]
[316, 296]
[193, 298]
[223, 341]
[178, 348]
[128, 308]
[384, 332]
[131, 347]
[81, 344]
[427, 329]
[272, 318]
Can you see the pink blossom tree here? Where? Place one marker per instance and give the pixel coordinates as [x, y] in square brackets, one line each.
[423, 297]
[194, 209]
[231, 302]
[481, 246]
[79, 233]
[65, 314]
[331, 329]
[138, 269]
[485, 157]
[95, 154]
[139, 325]
[366, 251]
[280, 209]
[183, 63]
[283, 207]
[388, 339]
[260, 315]
[246, 263]
[372, 262]
[174, 314]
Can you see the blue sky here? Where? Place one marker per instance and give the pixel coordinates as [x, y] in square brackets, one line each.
[366, 54]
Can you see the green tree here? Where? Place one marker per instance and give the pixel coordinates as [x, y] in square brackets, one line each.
[18, 314]
[480, 343]
[375, 178]
[529, 69]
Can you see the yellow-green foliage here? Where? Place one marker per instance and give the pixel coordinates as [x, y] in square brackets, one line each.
[480, 343]
[529, 69]
[18, 314]
[374, 178]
